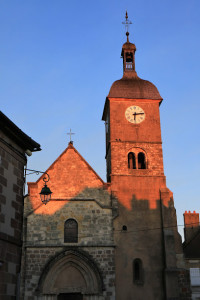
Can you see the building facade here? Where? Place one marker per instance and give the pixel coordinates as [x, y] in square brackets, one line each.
[68, 244]
[14, 143]
[191, 249]
[114, 240]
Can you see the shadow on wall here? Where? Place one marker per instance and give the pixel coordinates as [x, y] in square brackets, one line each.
[94, 210]
[101, 195]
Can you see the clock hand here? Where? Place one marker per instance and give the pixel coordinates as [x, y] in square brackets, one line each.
[135, 114]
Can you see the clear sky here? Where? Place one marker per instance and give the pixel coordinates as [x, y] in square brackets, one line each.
[58, 59]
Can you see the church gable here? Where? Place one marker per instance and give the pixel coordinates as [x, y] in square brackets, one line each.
[70, 240]
[70, 177]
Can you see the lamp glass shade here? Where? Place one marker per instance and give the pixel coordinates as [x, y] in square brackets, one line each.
[45, 194]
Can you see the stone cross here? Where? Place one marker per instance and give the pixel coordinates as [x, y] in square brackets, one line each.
[70, 133]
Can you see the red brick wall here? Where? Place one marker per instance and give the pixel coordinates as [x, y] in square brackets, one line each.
[147, 131]
[191, 222]
[138, 192]
[126, 137]
[191, 219]
[145, 137]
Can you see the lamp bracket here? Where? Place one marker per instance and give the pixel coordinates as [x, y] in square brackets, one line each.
[46, 178]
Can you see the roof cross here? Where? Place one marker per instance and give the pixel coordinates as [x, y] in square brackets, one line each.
[127, 23]
[70, 133]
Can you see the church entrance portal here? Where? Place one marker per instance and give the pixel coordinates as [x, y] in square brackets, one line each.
[72, 296]
[70, 276]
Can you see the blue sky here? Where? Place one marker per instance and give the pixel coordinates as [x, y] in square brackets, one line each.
[58, 60]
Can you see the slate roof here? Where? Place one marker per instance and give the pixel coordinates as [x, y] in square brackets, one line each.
[134, 88]
[191, 249]
[17, 135]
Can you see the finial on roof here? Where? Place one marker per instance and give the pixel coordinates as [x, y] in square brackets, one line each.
[70, 134]
[126, 15]
[127, 23]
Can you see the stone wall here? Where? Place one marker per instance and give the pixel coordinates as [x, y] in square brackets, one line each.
[44, 241]
[38, 258]
[12, 161]
[184, 284]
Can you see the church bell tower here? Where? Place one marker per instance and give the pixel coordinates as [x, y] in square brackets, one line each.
[146, 253]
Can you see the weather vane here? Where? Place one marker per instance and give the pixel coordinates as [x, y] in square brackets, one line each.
[127, 23]
[70, 133]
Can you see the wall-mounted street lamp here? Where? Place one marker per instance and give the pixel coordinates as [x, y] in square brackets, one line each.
[45, 194]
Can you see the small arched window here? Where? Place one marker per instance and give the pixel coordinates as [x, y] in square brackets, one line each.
[124, 228]
[141, 161]
[131, 161]
[129, 57]
[71, 231]
[138, 276]
[129, 61]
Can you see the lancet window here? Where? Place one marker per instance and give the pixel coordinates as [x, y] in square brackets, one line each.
[138, 274]
[71, 231]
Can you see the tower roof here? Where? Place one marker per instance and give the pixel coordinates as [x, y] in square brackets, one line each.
[134, 87]
[130, 85]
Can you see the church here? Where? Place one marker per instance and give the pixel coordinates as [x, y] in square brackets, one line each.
[118, 239]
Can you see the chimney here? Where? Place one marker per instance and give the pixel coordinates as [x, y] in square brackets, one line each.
[191, 224]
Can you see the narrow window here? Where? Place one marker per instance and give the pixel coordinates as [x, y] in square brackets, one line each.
[124, 228]
[138, 271]
[71, 231]
[141, 161]
[131, 161]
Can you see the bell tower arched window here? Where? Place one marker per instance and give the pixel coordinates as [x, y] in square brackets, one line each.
[138, 276]
[129, 60]
[141, 161]
[71, 231]
[131, 161]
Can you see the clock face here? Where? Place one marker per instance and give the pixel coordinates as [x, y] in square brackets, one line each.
[135, 114]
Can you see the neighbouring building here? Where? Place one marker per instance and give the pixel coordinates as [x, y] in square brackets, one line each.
[113, 240]
[191, 248]
[14, 143]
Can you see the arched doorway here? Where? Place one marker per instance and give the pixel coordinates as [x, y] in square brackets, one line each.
[70, 276]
